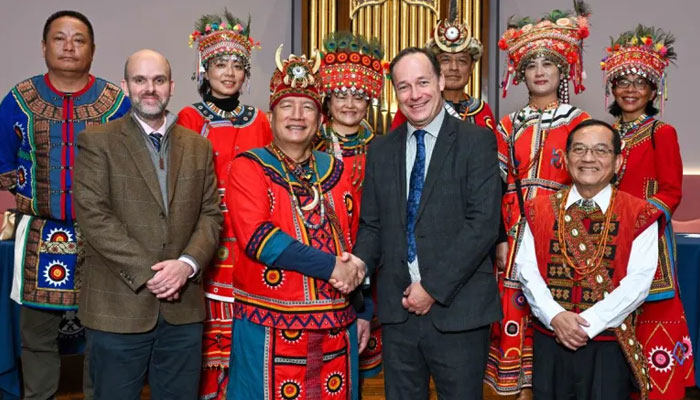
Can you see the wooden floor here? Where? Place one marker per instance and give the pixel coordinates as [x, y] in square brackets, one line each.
[373, 389]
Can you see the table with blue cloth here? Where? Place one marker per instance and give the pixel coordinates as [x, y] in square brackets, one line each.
[9, 326]
[688, 249]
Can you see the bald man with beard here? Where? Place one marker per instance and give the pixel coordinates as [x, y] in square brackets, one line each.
[147, 203]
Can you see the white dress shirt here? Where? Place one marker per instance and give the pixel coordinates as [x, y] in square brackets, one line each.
[609, 312]
[433, 129]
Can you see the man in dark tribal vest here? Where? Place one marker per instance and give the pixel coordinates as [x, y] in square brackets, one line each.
[586, 263]
[40, 120]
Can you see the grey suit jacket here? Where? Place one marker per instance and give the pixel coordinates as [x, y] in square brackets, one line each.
[120, 211]
[457, 224]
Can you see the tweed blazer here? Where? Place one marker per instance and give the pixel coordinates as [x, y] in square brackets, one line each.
[456, 226]
[120, 212]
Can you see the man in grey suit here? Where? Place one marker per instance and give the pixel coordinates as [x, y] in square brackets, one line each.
[430, 214]
[145, 198]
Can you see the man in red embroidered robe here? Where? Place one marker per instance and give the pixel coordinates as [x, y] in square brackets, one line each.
[586, 264]
[294, 332]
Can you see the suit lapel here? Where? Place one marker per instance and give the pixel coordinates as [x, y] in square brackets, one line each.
[444, 143]
[400, 168]
[136, 146]
[174, 162]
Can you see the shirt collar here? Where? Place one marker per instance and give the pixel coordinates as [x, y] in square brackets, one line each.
[602, 198]
[147, 128]
[433, 128]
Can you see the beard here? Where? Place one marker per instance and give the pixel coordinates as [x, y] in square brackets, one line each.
[149, 111]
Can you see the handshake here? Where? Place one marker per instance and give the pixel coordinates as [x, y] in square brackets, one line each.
[348, 273]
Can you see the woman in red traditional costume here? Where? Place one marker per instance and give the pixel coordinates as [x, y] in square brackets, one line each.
[458, 52]
[352, 79]
[224, 47]
[294, 335]
[652, 169]
[531, 147]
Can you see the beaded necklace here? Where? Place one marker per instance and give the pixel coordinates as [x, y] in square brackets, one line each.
[513, 169]
[627, 131]
[289, 166]
[223, 113]
[591, 264]
[629, 127]
[334, 147]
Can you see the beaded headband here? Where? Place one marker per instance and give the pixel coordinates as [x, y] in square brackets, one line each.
[557, 36]
[645, 51]
[220, 36]
[352, 64]
[296, 76]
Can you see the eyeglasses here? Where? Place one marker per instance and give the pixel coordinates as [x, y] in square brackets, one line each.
[597, 151]
[639, 83]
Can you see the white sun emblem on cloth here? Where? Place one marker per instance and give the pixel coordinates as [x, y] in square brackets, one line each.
[59, 235]
[56, 273]
[21, 177]
[660, 359]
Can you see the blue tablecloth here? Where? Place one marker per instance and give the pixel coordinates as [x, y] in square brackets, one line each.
[9, 327]
[688, 247]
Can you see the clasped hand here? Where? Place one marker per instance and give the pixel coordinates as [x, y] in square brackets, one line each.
[567, 328]
[348, 273]
[170, 277]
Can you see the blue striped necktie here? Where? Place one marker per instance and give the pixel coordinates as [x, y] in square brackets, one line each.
[414, 191]
[156, 139]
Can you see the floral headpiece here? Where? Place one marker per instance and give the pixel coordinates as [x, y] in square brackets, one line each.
[217, 36]
[351, 63]
[453, 37]
[296, 76]
[645, 51]
[557, 36]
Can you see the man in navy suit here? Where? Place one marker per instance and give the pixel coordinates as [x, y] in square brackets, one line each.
[430, 215]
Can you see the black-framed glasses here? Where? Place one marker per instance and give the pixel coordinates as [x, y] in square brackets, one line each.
[639, 83]
[598, 151]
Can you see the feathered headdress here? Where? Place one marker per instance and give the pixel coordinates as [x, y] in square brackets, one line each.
[296, 76]
[449, 36]
[557, 36]
[352, 63]
[645, 51]
[221, 35]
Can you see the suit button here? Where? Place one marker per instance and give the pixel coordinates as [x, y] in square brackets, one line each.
[162, 216]
[163, 245]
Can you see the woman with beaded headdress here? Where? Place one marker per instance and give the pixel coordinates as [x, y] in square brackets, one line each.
[635, 74]
[223, 66]
[352, 79]
[457, 52]
[294, 335]
[531, 145]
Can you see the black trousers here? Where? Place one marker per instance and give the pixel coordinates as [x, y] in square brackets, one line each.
[596, 371]
[170, 354]
[415, 350]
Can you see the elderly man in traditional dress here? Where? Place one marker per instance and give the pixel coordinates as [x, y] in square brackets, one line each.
[586, 263]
